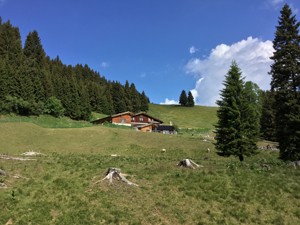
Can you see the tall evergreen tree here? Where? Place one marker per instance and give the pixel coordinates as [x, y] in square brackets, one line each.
[127, 90]
[267, 122]
[190, 100]
[118, 97]
[109, 107]
[144, 102]
[11, 57]
[285, 83]
[135, 99]
[251, 108]
[36, 64]
[232, 130]
[183, 98]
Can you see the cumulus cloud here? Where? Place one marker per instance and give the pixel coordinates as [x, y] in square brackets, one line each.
[193, 50]
[169, 102]
[252, 56]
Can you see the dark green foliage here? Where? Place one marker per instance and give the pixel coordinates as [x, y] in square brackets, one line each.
[118, 97]
[236, 130]
[251, 108]
[267, 122]
[54, 107]
[285, 84]
[11, 57]
[190, 100]
[20, 106]
[128, 97]
[144, 102]
[30, 77]
[183, 98]
[135, 99]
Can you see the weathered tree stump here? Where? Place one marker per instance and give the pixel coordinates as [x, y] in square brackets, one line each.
[188, 163]
[115, 173]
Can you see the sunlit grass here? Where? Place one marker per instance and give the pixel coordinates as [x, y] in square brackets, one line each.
[60, 188]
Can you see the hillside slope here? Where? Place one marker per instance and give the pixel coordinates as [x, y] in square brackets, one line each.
[185, 117]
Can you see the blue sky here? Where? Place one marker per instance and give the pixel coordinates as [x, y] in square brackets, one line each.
[162, 46]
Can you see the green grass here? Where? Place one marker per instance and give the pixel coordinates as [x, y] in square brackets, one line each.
[60, 188]
[185, 117]
[46, 121]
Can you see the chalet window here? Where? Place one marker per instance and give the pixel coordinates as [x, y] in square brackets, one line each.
[122, 120]
[141, 119]
[132, 119]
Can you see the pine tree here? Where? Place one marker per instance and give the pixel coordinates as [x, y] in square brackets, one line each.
[35, 63]
[118, 97]
[135, 99]
[11, 57]
[190, 100]
[267, 121]
[251, 108]
[233, 132]
[109, 107]
[285, 83]
[144, 102]
[127, 90]
[183, 98]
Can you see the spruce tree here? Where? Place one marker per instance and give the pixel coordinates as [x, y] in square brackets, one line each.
[118, 97]
[285, 83]
[35, 62]
[234, 136]
[183, 98]
[267, 121]
[144, 102]
[251, 108]
[127, 90]
[135, 99]
[190, 100]
[11, 57]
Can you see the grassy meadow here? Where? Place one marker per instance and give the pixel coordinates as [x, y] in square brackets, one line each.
[61, 186]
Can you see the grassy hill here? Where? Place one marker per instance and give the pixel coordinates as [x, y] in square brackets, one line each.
[60, 187]
[185, 117]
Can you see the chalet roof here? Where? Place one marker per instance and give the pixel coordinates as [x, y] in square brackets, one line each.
[109, 118]
[145, 114]
[121, 114]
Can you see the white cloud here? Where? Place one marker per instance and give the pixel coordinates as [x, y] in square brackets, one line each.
[193, 50]
[169, 102]
[276, 2]
[143, 75]
[104, 64]
[252, 56]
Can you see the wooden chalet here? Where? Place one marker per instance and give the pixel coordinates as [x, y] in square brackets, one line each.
[141, 121]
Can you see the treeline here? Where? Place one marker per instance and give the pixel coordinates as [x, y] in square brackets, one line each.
[32, 84]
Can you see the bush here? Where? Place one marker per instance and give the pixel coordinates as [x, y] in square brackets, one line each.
[54, 107]
[15, 105]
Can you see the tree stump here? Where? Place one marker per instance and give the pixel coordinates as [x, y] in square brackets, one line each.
[115, 173]
[188, 163]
